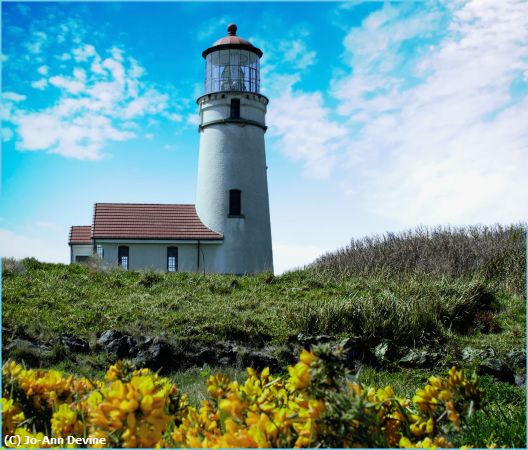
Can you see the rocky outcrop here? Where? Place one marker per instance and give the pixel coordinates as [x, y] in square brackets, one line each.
[162, 354]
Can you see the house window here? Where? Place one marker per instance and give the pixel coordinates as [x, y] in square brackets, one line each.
[235, 202]
[172, 259]
[100, 251]
[235, 108]
[122, 256]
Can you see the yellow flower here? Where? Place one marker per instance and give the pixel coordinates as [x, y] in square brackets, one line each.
[64, 422]
[299, 376]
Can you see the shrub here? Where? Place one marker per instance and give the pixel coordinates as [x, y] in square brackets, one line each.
[498, 253]
[316, 404]
[12, 266]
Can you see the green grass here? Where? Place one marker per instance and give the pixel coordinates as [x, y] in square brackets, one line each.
[360, 292]
[45, 300]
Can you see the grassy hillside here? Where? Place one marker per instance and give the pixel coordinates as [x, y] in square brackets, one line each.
[44, 300]
[406, 305]
[445, 287]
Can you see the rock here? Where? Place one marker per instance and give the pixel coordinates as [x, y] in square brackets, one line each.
[28, 352]
[74, 344]
[352, 346]
[224, 362]
[107, 337]
[414, 358]
[308, 341]
[470, 353]
[156, 354]
[259, 360]
[227, 352]
[207, 356]
[385, 352]
[496, 368]
[517, 358]
[121, 345]
[23, 343]
[520, 380]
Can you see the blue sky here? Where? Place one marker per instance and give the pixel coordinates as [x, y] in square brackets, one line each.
[382, 116]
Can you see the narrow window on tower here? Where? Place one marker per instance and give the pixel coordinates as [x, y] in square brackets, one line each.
[122, 256]
[235, 108]
[172, 259]
[235, 202]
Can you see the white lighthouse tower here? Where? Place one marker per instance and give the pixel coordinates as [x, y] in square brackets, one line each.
[232, 191]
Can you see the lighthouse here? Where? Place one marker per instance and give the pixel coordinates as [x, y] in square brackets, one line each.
[232, 187]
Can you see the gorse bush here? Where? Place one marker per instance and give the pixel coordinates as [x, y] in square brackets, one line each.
[496, 252]
[317, 404]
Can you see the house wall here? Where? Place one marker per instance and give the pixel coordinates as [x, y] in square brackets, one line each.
[144, 256]
[80, 250]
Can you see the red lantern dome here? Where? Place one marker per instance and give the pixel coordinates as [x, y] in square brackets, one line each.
[232, 64]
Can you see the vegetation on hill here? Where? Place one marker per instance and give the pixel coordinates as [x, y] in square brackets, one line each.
[402, 305]
[495, 253]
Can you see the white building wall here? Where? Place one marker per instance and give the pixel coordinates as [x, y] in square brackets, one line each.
[232, 156]
[80, 250]
[145, 256]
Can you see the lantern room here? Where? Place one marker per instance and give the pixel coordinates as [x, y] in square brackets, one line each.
[232, 64]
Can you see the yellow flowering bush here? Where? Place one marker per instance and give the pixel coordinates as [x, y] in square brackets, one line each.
[315, 404]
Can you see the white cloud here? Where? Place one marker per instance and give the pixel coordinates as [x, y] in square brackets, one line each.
[7, 134]
[79, 74]
[136, 71]
[299, 121]
[287, 256]
[117, 70]
[39, 131]
[452, 147]
[43, 70]
[99, 102]
[210, 27]
[306, 133]
[72, 86]
[39, 40]
[13, 96]
[193, 119]
[83, 53]
[16, 245]
[296, 52]
[47, 225]
[152, 102]
[117, 54]
[22, 8]
[174, 117]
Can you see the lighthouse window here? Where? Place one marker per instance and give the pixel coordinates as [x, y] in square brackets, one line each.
[235, 202]
[172, 259]
[235, 108]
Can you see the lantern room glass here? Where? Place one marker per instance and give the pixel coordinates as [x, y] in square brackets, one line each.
[232, 70]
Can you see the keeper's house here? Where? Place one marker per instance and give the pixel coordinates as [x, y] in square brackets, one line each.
[228, 230]
[143, 236]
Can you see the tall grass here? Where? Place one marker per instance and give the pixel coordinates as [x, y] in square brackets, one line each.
[497, 253]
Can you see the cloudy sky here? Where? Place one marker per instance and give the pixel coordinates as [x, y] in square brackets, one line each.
[382, 116]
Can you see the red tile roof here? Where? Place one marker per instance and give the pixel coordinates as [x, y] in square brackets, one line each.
[149, 221]
[80, 234]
